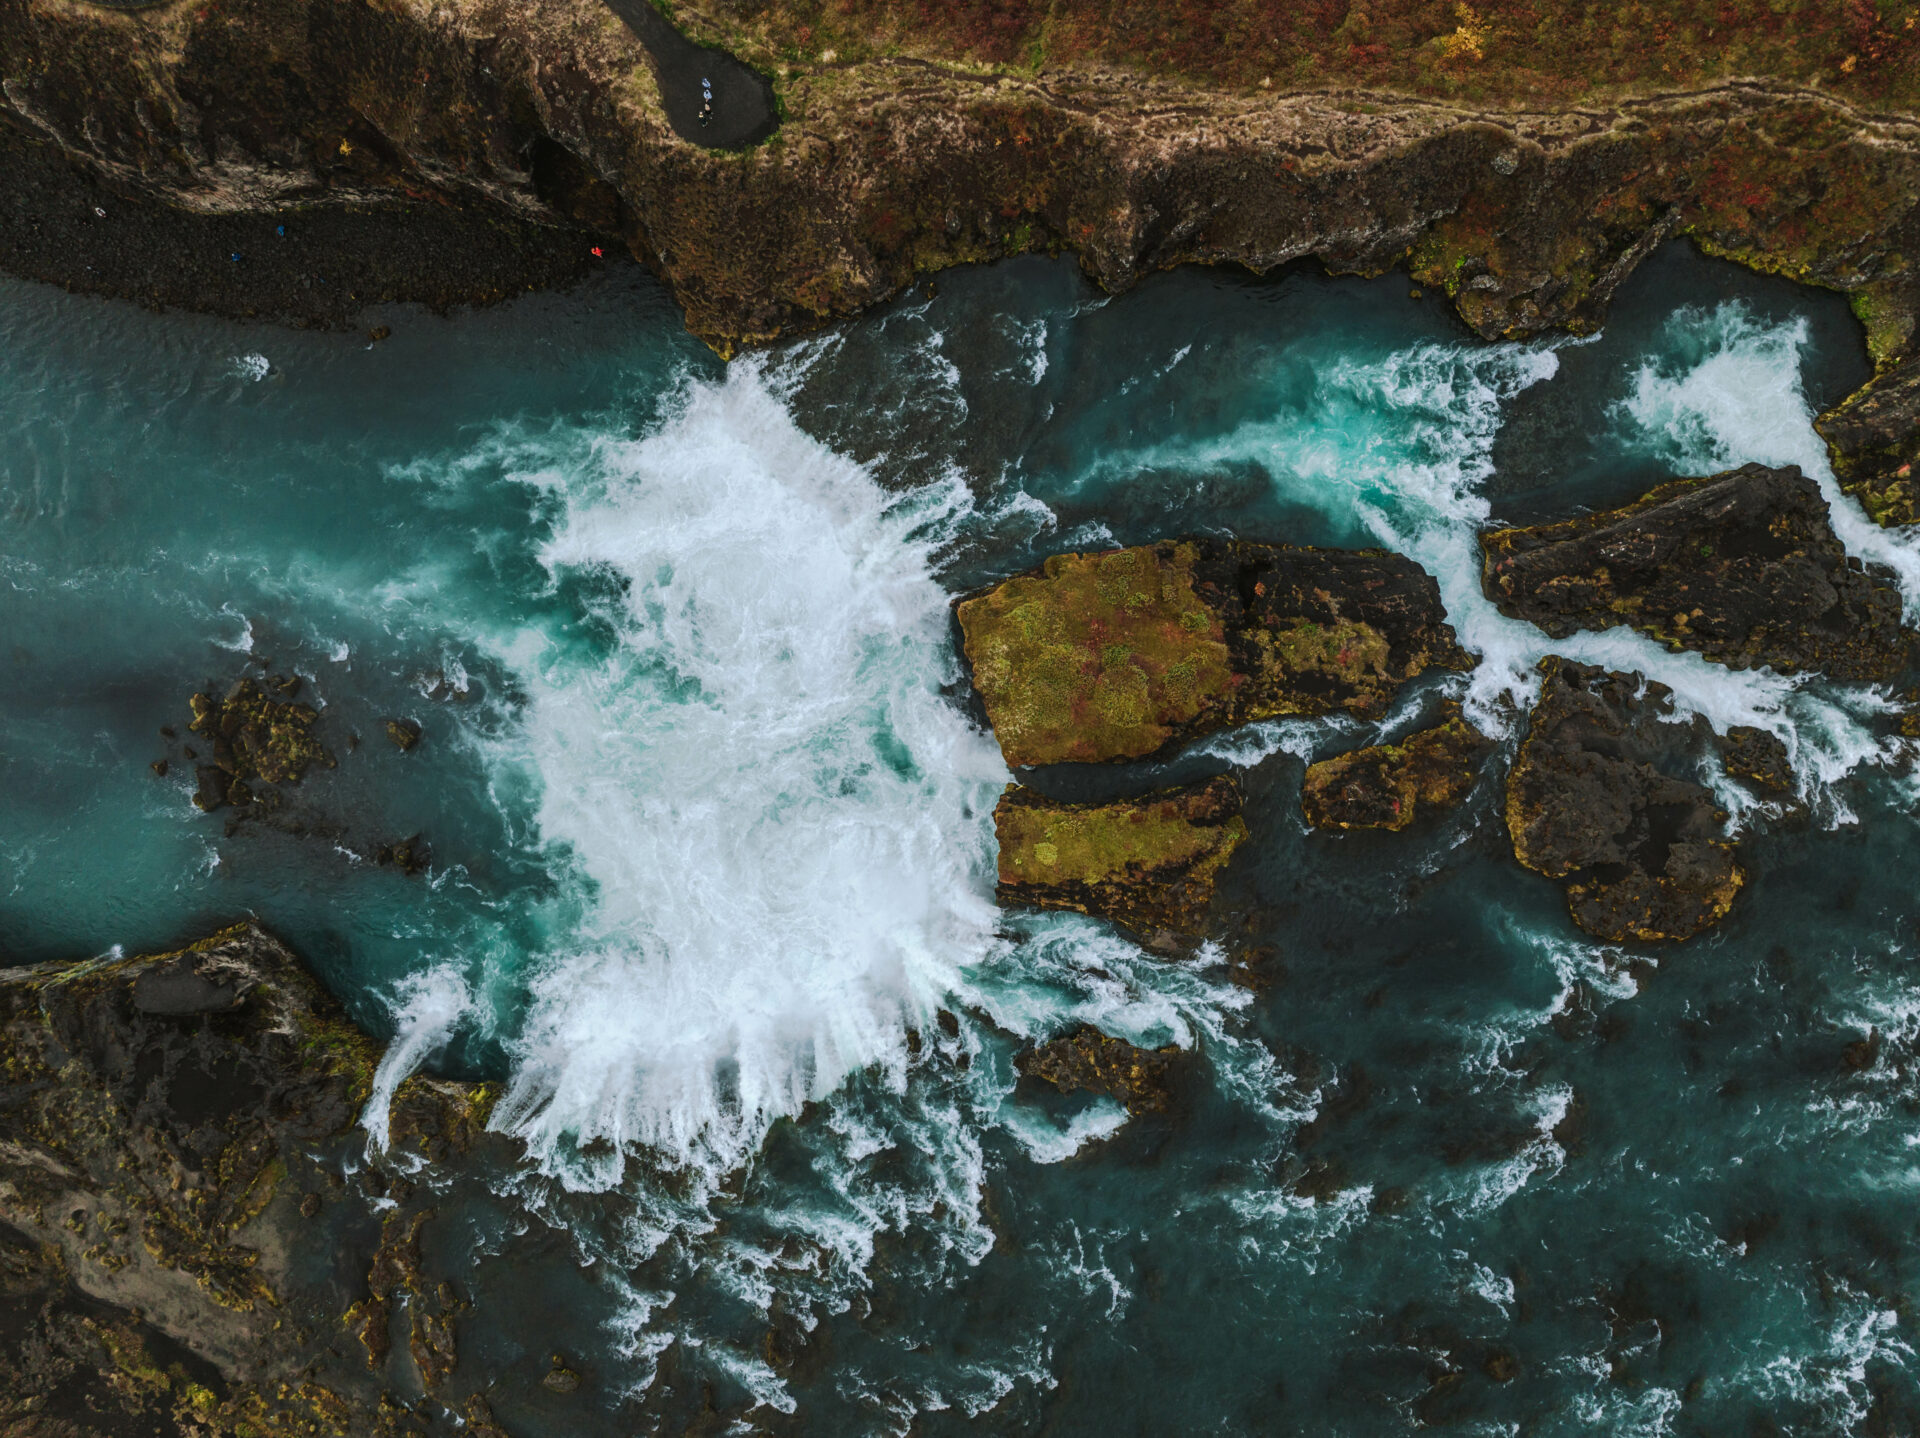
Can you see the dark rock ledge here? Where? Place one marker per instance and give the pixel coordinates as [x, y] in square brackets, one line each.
[1592, 800]
[171, 1129]
[1742, 568]
[1873, 439]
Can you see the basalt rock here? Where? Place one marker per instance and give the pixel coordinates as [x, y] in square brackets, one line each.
[1592, 800]
[1873, 439]
[257, 741]
[1149, 863]
[1386, 786]
[1759, 757]
[403, 734]
[1087, 1060]
[1742, 568]
[162, 1126]
[1115, 655]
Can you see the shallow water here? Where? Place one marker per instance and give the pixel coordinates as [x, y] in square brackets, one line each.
[709, 808]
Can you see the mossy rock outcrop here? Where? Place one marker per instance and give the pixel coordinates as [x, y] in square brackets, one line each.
[1086, 1060]
[257, 741]
[1387, 786]
[1149, 863]
[1742, 568]
[1873, 438]
[162, 1141]
[1115, 655]
[1591, 801]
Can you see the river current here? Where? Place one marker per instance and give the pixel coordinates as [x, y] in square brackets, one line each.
[709, 808]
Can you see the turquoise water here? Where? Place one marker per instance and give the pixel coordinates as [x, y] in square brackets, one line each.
[709, 811]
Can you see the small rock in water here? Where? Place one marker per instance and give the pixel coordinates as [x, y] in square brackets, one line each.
[159, 767]
[560, 1378]
[1089, 1060]
[410, 856]
[1094, 657]
[1757, 756]
[379, 332]
[254, 738]
[1385, 786]
[404, 733]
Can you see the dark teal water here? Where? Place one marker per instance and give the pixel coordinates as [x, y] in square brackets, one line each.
[709, 816]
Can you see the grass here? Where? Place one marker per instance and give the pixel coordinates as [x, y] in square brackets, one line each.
[1556, 51]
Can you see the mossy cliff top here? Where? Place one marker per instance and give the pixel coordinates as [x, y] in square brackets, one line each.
[1114, 655]
[162, 1154]
[1591, 801]
[1742, 568]
[467, 151]
[1150, 863]
[1388, 786]
[1541, 51]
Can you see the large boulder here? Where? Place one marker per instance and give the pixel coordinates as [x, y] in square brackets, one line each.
[1592, 801]
[1115, 655]
[1149, 863]
[1386, 786]
[1742, 568]
[1873, 438]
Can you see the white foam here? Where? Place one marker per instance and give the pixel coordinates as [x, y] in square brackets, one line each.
[251, 367]
[1735, 397]
[779, 816]
[428, 1007]
[1399, 448]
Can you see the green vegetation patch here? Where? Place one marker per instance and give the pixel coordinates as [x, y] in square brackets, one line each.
[1096, 656]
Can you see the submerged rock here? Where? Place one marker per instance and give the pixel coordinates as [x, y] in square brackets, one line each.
[256, 740]
[1385, 786]
[1149, 863]
[1741, 567]
[403, 734]
[1873, 439]
[162, 1126]
[1087, 1060]
[1644, 854]
[1114, 655]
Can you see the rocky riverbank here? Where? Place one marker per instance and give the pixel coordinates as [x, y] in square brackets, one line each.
[462, 153]
[177, 1133]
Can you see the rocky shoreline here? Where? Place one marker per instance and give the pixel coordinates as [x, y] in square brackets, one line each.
[461, 155]
[177, 1137]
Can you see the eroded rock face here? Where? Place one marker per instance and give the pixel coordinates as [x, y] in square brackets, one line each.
[158, 1168]
[1149, 863]
[1644, 853]
[1087, 1060]
[257, 741]
[1386, 786]
[1114, 655]
[1873, 438]
[1741, 567]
